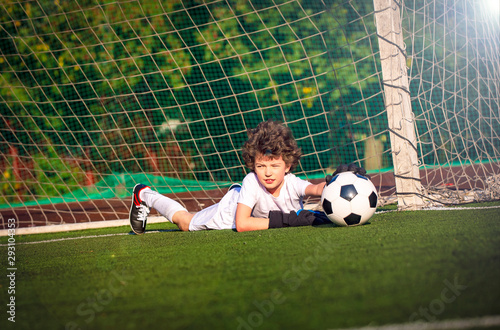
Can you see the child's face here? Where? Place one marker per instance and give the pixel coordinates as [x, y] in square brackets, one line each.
[271, 173]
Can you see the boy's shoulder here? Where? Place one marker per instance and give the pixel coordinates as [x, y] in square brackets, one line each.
[250, 177]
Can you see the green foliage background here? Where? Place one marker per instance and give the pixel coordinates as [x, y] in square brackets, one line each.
[112, 84]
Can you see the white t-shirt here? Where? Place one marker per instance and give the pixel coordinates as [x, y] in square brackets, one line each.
[254, 195]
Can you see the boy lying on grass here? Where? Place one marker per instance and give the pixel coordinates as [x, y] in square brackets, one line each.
[270, 196]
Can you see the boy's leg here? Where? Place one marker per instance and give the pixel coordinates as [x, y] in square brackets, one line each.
[182, 219]
[145, 198]
[220, 215]
[217, 216]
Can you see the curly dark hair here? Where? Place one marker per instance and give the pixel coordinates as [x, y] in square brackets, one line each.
[271, 139]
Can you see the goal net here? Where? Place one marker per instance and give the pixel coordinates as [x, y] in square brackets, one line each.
[97, 95]
[454, 69]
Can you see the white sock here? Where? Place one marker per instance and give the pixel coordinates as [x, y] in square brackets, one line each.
[166, 206]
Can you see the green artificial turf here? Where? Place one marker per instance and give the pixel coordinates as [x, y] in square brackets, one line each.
[401, 267]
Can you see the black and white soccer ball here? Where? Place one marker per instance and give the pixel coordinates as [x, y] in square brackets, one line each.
[349, 199]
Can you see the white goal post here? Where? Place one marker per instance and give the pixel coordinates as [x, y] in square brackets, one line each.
[397, 101]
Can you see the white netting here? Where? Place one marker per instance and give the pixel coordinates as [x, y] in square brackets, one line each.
[98, 95]
[453, 59]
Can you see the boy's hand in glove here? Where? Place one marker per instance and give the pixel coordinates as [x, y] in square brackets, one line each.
[347, 168]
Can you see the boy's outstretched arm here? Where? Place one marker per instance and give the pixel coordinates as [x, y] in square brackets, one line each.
[315, 189]
[245, 222]
[277, 219]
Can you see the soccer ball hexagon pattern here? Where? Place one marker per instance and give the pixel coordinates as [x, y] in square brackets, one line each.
[349, 199]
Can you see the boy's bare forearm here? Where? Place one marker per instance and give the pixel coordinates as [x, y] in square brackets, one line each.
[245, 222]
[315, 189]
[251, 223]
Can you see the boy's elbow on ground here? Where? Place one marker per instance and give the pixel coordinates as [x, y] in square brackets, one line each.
[241, 227]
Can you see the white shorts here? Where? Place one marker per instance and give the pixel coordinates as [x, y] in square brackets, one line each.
[220, 215]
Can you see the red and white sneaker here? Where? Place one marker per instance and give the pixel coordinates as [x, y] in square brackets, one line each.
[138, 211]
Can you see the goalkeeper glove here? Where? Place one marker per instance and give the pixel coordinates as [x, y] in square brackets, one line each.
[278, 219]
[346, 168]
